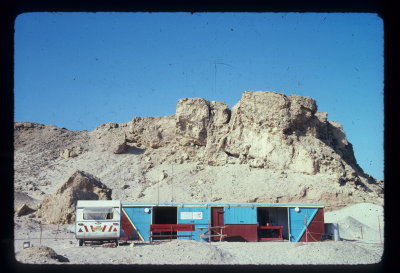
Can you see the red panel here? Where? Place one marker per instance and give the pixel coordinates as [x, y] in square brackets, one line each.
[171, 227]
[129, 233]
[217, 216]
[217, 219]
[315, 229]
[241, 233]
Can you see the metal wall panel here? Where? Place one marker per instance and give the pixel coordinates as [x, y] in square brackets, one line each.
[128, 232]
[194, 215]
[315, 229]
[140, 219]
[297, 221]
[240, 215]
[241, 233]
[199, 229]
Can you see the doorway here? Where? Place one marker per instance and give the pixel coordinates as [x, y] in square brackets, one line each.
[273, 216]
[165, 216]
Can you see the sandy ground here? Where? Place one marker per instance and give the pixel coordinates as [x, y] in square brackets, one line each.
[192, 252]
[61, 239]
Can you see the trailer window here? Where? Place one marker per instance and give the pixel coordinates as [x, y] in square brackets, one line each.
[97, 213]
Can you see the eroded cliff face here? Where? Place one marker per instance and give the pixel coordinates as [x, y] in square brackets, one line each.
[264, 131]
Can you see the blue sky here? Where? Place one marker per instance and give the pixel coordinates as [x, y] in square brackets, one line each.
[80, 70]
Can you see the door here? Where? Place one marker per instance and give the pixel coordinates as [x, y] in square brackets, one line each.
[217, 219]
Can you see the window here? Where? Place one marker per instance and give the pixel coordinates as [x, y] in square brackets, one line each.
[98, 213]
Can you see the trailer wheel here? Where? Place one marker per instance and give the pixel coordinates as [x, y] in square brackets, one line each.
[116, 243]
[80, 242]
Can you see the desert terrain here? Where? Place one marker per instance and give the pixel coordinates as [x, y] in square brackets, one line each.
[269, 148]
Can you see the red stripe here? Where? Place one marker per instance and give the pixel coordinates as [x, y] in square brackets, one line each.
[104, 228]
[86, 229]
[91, 227]
[109, 230]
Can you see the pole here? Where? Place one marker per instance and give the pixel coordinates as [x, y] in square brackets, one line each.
[362, 237]
[379, 226]
[58, 227]
[40, 240]
[305, 224]
[172, 181]
[209, 232]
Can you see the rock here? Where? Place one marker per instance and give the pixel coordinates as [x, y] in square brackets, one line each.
[151, 132]
[38, 255]
[256, 163]
[192, 118]
[71, 152]
[110, 137]
[60, 207]
[162, 176]
[108, 245]
[120, 147]
[24, 210]
[263, 110]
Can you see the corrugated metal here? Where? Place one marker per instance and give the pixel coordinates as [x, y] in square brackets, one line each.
[140, 219]
[297, 221]
[240, 215]
[241, 233]
[315, 229]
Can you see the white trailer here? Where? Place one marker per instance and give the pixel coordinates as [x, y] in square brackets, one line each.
[98, 220]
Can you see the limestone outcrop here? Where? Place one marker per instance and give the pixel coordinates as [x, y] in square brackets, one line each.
[60, 206]
[264, 132]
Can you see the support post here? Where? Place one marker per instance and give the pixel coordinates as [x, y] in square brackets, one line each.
[305, 224]
[362, 236]
[40, 240]
[379, 226]
[209, 232]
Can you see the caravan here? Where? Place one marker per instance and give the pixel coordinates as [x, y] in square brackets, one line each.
[98, 220]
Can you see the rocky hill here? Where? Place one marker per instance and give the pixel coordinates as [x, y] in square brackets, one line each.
[268, 148]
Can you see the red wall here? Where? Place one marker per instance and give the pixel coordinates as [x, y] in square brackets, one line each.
[315, 229]
[240, 233]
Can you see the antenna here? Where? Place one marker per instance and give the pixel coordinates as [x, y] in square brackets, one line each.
[172, 183]
[158, 192]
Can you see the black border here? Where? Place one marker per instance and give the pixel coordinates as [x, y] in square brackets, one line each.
[8, 15]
